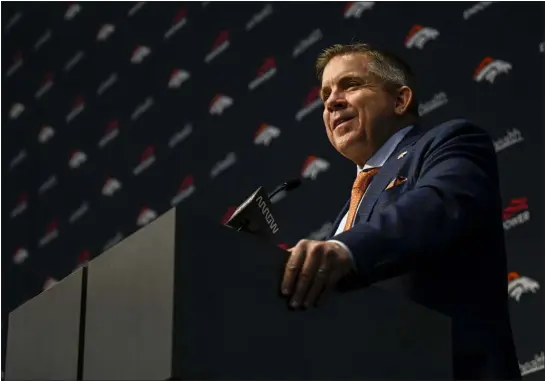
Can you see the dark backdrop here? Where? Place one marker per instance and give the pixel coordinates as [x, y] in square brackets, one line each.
[114, 112]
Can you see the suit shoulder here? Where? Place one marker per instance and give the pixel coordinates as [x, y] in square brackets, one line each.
[456, 127]
[460, 133]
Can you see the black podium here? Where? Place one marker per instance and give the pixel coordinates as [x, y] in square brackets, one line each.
[184, 298]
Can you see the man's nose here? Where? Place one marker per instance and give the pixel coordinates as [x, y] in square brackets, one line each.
[335, 103]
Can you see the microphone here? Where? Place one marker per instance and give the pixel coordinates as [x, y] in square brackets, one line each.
[287, 186]
[254, 215]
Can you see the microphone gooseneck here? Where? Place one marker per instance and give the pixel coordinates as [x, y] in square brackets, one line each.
[287, 186]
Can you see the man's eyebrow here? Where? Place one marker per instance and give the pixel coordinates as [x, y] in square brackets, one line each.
[348, 77]
[344, 78]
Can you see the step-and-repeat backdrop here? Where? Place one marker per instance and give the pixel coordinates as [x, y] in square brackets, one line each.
[114, 112]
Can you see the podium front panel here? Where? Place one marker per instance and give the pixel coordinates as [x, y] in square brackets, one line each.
[128, 333]
[232, 324]
[43, 334]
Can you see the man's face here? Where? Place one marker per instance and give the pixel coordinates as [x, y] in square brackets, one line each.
[358, 111]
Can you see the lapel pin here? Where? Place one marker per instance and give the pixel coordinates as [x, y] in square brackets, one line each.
[401, 155]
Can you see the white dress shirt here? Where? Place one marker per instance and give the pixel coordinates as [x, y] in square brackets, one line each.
[376, 161]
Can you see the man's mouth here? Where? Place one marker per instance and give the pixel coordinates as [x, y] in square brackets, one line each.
[341, 122]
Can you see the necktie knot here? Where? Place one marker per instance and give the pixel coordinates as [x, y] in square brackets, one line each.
[364, 178]
[358, 190]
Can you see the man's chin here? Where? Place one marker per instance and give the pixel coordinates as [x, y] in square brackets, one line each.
[346, 149]
[349, 146]
[347, 140]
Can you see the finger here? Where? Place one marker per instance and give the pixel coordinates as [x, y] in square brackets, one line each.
[334, 278]
[318, 286]
[321, 279]
[293, 267]
[313, 258]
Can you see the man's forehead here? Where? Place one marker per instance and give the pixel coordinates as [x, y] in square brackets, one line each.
[353, 65]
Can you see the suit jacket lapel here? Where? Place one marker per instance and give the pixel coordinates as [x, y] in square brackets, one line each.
[387, 172]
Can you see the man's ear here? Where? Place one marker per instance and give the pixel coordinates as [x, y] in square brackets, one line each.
[403, 99]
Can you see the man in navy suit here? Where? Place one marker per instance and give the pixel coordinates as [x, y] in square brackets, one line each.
[424, 214]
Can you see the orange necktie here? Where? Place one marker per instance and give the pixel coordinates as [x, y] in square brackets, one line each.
[358, 190]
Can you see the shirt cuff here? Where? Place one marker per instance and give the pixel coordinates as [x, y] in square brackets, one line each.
[348, 250]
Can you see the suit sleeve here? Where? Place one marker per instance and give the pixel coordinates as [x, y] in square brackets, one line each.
[456, 190]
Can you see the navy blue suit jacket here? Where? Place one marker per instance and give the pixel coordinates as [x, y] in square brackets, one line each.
[438, 239]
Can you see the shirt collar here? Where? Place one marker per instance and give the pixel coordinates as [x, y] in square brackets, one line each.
[384, 152]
